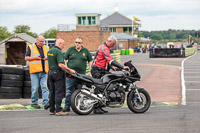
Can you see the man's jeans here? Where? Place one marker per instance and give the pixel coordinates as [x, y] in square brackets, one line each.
[70, 87]
[36, 80]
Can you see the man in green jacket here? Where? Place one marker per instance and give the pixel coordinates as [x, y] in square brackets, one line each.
[76, 58]
[57, 76]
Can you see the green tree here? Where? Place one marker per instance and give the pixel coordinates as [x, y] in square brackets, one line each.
[170, 35]
[157, 37]
[4, 33]
[51, 33]
[24, 29]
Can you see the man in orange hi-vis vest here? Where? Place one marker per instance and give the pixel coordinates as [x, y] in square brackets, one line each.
[36, 55]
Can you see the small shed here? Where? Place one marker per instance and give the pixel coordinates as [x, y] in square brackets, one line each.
[13, 49]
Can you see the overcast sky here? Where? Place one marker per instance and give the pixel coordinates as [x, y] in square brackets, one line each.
[42, 15]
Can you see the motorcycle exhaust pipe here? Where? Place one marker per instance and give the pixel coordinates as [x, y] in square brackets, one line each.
[92, 95]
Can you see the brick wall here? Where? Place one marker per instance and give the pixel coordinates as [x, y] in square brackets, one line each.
[88, 28]
[92, 39]
[119, 30]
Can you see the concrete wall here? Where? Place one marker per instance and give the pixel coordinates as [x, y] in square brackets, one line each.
[128, 44]
[2, 54]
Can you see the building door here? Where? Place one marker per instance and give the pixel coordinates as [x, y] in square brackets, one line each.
[15, 53]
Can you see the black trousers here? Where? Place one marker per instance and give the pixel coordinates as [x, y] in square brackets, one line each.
[97, 72]
[57, 89]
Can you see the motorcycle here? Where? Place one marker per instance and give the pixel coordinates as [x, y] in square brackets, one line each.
[110, 91]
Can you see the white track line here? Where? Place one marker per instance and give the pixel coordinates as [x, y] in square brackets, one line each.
[183, 101]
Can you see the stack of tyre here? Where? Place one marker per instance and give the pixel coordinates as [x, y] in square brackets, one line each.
[26, 90]
[11, 82]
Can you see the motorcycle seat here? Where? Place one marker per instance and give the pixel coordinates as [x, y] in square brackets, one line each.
[96, 81]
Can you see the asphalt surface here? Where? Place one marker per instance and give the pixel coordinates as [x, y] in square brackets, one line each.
[165, 119]
[158, 119]
[192, 78]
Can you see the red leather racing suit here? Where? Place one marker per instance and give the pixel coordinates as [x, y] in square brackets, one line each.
[103, 58]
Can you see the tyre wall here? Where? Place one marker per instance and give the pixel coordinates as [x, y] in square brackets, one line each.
[11, 82]
[15, 83]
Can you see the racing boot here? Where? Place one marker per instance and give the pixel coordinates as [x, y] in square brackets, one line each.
[104, 111]
[97, 110]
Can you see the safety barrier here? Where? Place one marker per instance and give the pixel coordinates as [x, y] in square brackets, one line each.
[166, 52]
[171, 52]
[190, 51]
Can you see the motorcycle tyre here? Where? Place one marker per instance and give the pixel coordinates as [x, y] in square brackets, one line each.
[73, 106]
[130, 97]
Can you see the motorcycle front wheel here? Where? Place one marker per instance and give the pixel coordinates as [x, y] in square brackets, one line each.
[81, 104]
[134, 103]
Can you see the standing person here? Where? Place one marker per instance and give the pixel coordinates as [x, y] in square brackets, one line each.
[103, 61]
[57, 78]
[36, 55]
[76, 58]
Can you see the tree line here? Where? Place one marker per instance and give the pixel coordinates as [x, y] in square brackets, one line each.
[170, 36]
[4, 33]
[156, 36]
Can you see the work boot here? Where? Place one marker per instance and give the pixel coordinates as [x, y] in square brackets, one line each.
[98, 111]
[35, 106]
[46, 106]
[61, 113]
[52, 113]
[66, 109]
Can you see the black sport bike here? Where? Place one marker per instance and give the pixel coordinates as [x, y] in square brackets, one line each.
[110, 91]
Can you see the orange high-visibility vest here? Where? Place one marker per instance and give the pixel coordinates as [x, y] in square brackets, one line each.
[36, 65]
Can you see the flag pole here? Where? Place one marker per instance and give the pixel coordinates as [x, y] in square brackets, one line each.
[132, 26]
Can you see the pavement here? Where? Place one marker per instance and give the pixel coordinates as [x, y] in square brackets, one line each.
[161, 77]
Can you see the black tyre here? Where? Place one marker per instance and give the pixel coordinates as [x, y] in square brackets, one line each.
[11, 83]
[27, 78]
[79, 105]
[10, 95]
[26, 92]
[26, 71]
[12, 70]
[11, 77]
[27, 83]
[134, 103]
[10, 89]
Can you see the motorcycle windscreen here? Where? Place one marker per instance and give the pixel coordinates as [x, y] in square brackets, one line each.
[133, 69]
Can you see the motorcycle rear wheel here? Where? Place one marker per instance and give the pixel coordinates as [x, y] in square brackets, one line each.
[78, 104]
[134, 103]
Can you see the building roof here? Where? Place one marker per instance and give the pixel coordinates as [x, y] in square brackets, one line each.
[124, 36]
[88, 14]
[22, 36]
[145, 39]
[116, 19]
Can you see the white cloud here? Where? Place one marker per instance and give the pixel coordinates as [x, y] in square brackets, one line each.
[42, 15]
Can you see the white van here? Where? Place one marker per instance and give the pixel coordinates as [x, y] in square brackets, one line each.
[50, 42]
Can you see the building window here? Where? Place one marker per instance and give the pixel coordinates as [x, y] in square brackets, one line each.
[93, 20]
[127, 29]
[83, 20]
[105, 28]
[79, 20]
[112, 29]
[89, 20]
